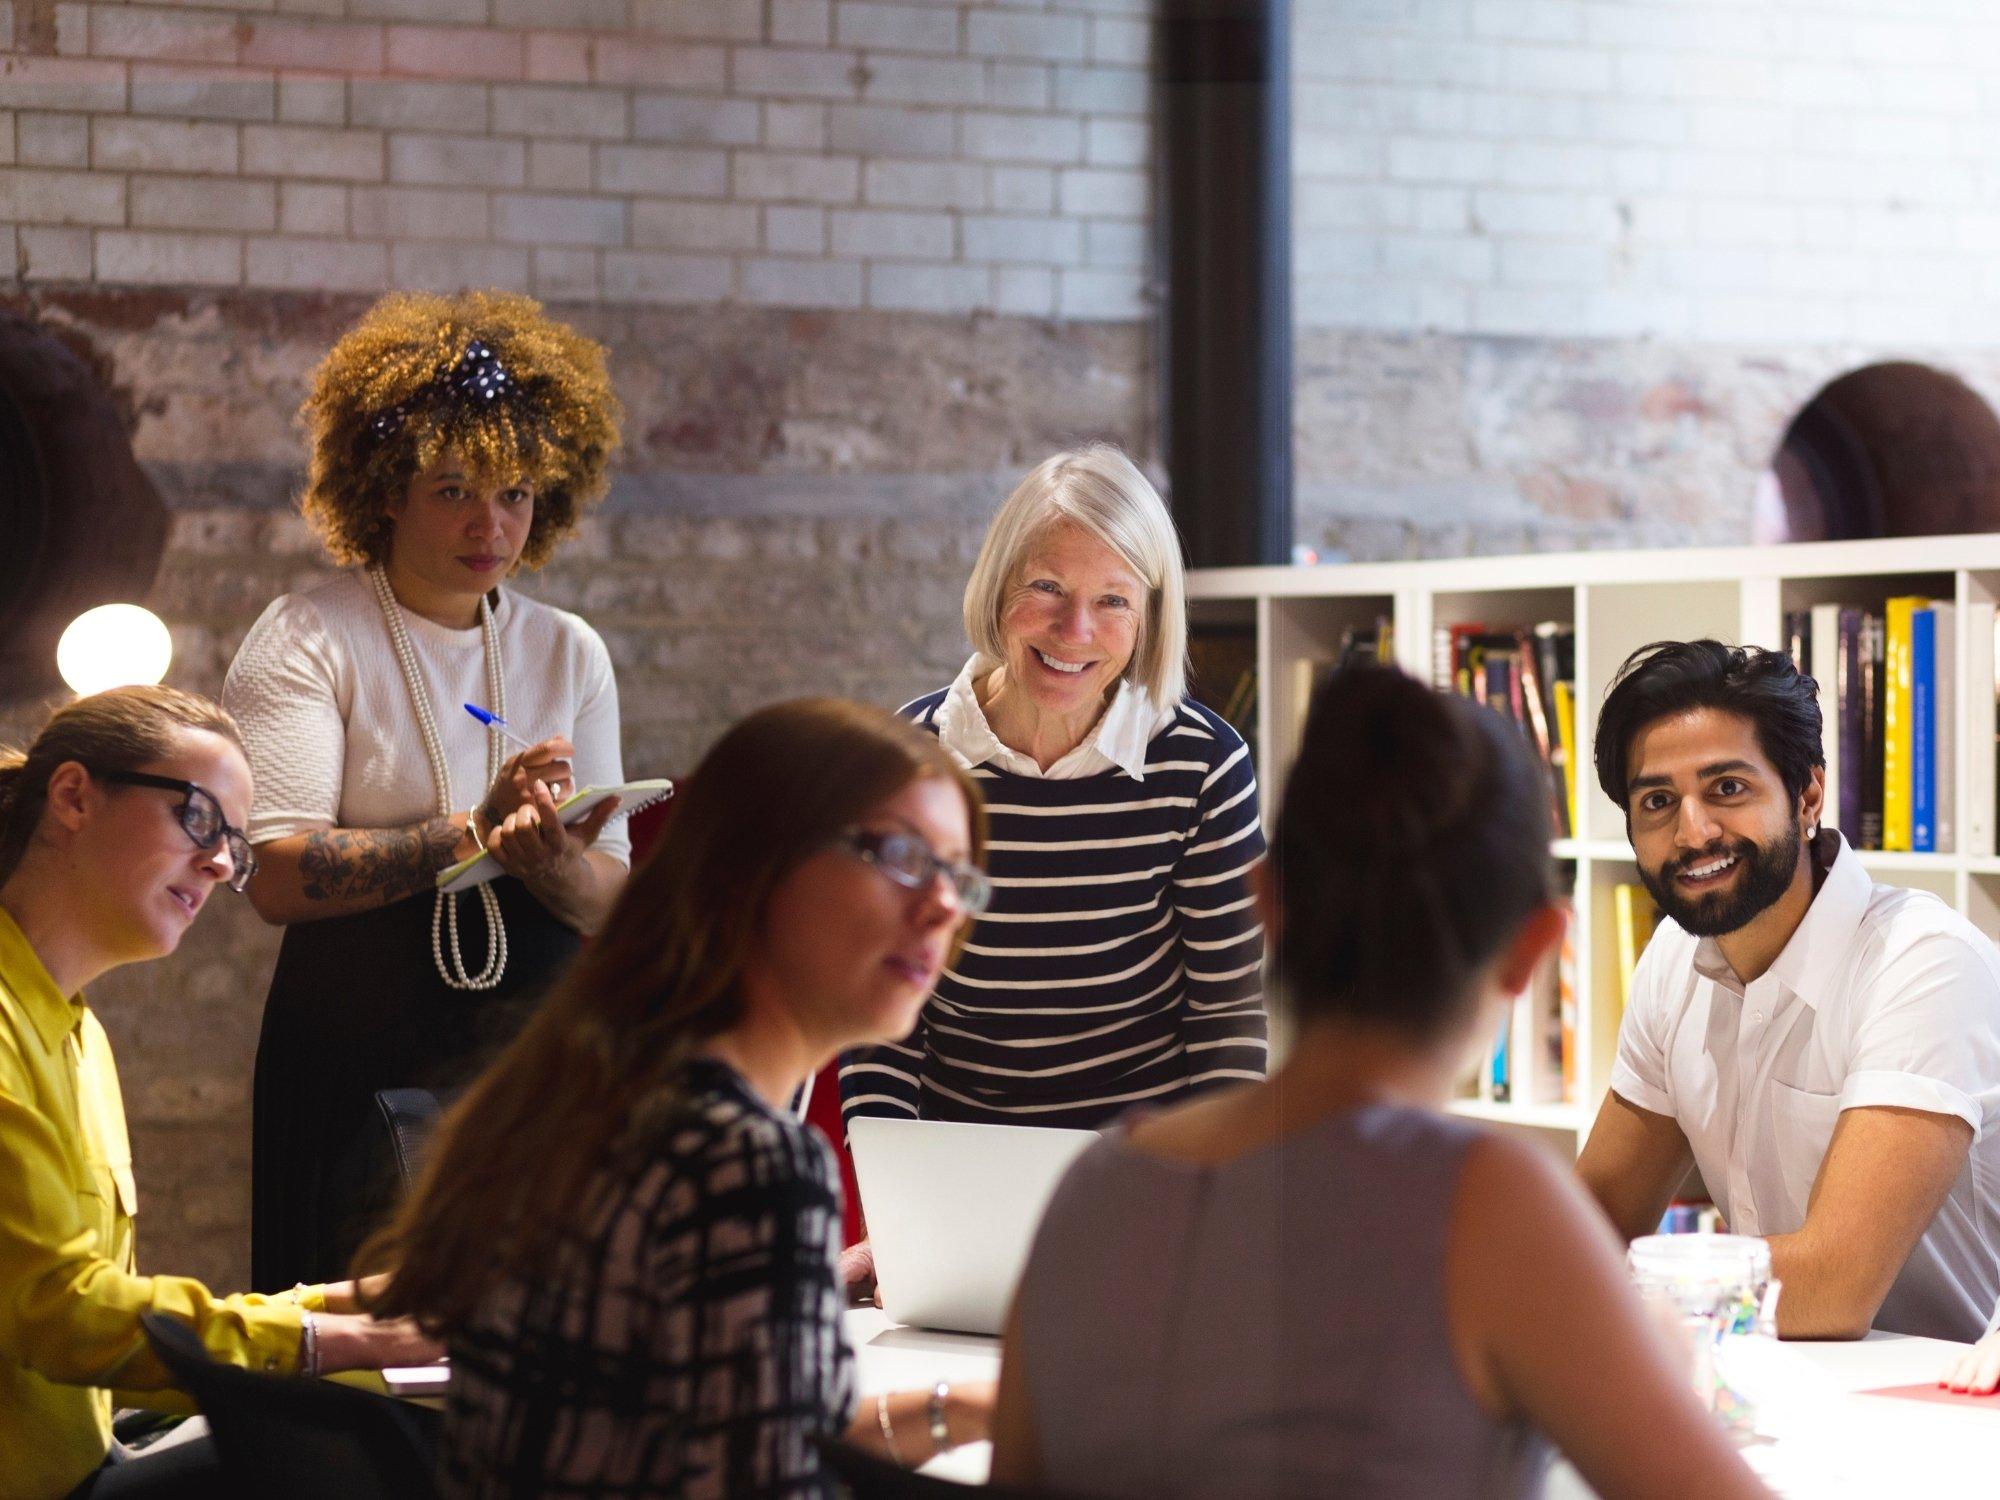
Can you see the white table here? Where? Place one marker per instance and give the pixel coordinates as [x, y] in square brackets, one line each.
[889, 1357]
[1818, 1439]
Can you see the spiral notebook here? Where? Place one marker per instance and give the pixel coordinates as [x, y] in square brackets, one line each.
[482, 867]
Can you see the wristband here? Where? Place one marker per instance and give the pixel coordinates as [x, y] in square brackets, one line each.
[940, 1430]
[888, 1432]
[308, 1346]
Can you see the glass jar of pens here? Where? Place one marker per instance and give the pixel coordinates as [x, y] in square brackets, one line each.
[1712, 1291]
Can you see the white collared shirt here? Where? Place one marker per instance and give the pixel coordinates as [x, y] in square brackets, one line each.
[1117, 742]
[1883, 997]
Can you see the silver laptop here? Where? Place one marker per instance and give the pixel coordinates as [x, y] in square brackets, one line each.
[952, 1211]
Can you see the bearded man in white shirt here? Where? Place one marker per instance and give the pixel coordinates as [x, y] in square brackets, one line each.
[1824, 1049]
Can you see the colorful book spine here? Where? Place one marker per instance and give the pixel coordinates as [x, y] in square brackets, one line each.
[1565, 696]
[1534, 1051]
[1874, 679]
[1798, 639]
[1897, 727]
[1851, 733]
[1535, 699]
[1923, 731]
[1944, 728]
[1635, 915]
[1826, 676]
[1499, 1073]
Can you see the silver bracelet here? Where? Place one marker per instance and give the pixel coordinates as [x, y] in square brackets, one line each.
[309, 1346]
[940, 1429]
[888, 1432]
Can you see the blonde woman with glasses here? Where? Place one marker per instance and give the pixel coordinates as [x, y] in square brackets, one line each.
[117, 826]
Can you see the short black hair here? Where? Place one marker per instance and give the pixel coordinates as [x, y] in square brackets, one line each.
[1674, 677]
[1412, 844]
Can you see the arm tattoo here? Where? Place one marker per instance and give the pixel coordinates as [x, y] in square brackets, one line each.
[387, 862]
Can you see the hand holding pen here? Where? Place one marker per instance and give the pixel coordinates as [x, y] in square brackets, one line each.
[546, 762]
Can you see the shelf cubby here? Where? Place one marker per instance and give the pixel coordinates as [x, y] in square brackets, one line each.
[1616, 601]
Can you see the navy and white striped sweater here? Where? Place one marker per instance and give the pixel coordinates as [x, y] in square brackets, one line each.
[1120, 960]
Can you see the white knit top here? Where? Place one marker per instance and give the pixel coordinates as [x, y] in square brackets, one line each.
[333, 740]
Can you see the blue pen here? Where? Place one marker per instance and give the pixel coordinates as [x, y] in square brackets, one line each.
[493, 721]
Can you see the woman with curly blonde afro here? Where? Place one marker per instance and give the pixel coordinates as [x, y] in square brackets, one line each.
[454, 440]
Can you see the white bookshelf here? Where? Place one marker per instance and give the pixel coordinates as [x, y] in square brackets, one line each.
[1617, 601]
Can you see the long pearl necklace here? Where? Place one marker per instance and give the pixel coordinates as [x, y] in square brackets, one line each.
[444, 915]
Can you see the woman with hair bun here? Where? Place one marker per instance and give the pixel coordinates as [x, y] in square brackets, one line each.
[454, 441]
[116, 827]
[1322, 1284]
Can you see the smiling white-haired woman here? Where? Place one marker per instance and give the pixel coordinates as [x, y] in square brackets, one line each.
[1118, 963]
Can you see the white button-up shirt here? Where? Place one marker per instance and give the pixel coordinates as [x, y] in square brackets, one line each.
[1117, 742]
[1883, 996]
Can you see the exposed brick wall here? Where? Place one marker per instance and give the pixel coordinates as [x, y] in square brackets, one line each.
[1566, 268]
[1440, 445]
[795, 512]
[1794, 171]
[928, 157]
[858, 265]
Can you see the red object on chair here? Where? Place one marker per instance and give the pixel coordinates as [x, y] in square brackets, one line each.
[824, 1110]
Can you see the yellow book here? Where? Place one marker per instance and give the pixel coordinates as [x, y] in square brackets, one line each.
[1635, 915]
[1565, 695]
[1898, 724]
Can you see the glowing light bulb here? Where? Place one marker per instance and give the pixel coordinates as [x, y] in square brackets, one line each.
[113, 645]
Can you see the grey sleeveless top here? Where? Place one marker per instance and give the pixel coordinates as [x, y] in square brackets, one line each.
[1269, 1326]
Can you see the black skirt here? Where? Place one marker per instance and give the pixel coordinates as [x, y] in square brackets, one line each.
[356, 1005]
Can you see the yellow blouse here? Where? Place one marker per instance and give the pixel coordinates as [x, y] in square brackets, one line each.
[70, 1298]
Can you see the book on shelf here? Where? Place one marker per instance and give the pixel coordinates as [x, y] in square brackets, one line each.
[1536, 1050]
[1933, 799]
[1898, 730]
[1222, 674]
[1531, 1058]
[1373, 642]
[1565, 699]
[1826, 672]
[1889, 698]
[1874, 658]
[1977, 742]
[1634, 916]
[1499, 1064]
[1923, 721]
[1944, 727]
[1798, 639]
[1529, 676]
[1850, 728]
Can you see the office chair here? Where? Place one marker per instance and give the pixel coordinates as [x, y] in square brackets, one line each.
[299, 1439]
[410, 1115]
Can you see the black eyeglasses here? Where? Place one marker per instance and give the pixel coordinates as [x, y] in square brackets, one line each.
[908, 860]
[200, 818]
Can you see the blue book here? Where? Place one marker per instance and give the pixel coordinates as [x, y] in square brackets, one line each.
[1500, 1079]
[1923, 730]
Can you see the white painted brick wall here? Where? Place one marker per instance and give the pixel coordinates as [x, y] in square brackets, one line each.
[1791, 170]
[948, 156]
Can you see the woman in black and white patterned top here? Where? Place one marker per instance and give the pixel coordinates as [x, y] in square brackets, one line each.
[625, 1237]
